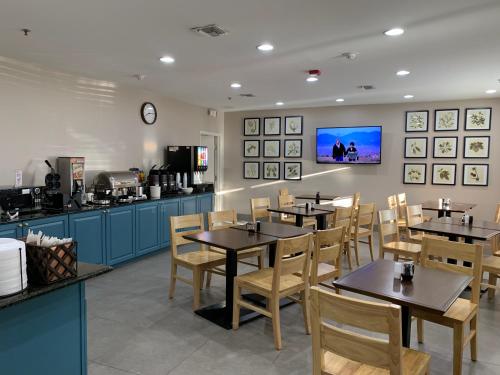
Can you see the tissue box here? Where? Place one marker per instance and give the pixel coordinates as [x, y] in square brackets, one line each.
[47, 265]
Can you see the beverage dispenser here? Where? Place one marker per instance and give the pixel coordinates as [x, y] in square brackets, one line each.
[189, 160]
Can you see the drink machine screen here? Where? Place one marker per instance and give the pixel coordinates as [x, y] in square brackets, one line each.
[201, 161]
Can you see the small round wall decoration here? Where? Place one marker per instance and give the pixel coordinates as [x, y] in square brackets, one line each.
[149, 113]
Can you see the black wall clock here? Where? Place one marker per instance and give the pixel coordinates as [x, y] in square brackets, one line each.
[148, 113]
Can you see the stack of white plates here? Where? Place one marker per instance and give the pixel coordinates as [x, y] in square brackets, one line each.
[13, 276]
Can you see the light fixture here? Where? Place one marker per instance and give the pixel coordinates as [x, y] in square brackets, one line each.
[339, 100]
[167, 59]
[311, 79]
[265, 47]
[491, 91]
[279, 103]
[408, 96]
[402, 73]
[235, 85]
[395, 31]
[313, 75]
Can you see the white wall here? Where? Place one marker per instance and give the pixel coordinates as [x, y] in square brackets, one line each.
[374, 182]
[45, 114]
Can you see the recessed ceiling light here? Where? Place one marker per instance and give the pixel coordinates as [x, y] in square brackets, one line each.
[396, 31]
[339, 100]
[402, 73]
[409, 96]
[235, 85]
[491, 91]
[279, 103]
[265, 47]
[167, 59]
[311, 79]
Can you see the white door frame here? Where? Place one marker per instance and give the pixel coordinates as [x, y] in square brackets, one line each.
[219, 169]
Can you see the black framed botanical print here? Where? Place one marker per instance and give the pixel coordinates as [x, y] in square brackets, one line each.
[251, 126]
[444, 174]
[478, 118]
[445, 147]
[251, 170]
[417, 121]
[414, 174]
[272, 125]
[251, 149]
[446, 120]
[272, 148]
[293, 148]
[271, 170]
[475, 175]
[416, 147]
[292, 170]
[293, 125]
[477, 147]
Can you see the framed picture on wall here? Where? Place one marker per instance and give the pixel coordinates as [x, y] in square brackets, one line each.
[293, 125]
[478, 119]
[251, 149]
[272, 125]
[293, 170]
[414, 174]
[251, 170]
[271, 170]
[477, 147]
[446, 120]
[417, 121]
[445, 147]
[272, 148]
[444, 174]
[415, 147]
[251, 126]
[293, 148]
[475, 175]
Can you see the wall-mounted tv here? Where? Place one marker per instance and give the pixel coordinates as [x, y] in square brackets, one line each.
[349, 145]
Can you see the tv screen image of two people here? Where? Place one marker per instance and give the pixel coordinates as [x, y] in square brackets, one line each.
[349, 145]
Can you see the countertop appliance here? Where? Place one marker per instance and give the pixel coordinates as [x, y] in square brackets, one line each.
[119, 186]
[192, 160]
[20, 200]
[72, 172]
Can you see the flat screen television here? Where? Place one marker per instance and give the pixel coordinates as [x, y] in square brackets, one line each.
[349, 145]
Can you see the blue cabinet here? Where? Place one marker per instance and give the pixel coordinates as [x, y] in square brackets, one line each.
[189, 205]
[120, 234]
[89, 230]
[205, 203]
[10, 230]
[167, 208]
[50, 226]
[147, 227]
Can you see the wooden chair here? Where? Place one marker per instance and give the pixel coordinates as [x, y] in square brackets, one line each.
[388, 226]
[198, 261]
[343, 217]
[283, 191]
[491, 265]
[414, 215]
[355, 200]
[293, 256]
[326, 259]
[495, 244]
[258, 208]
[363, 227]
[336, 349]
[392, 203]
[462, 312]
[289, 201]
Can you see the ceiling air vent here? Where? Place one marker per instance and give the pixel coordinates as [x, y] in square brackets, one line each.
[366, 87]
[248, 95]
[210, 30]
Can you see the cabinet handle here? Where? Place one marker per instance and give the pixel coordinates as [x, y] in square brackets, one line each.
[20, 225]
[26, 224]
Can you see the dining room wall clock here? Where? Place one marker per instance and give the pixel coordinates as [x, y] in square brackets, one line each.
[148, 113]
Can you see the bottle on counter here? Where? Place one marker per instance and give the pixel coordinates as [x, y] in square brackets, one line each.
[317, 198]
[185, 180]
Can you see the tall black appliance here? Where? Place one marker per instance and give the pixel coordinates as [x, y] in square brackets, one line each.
[192, 160]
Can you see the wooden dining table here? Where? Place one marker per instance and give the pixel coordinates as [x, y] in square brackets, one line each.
[430, 290]
[319, 212]
[234, 240]
[442, 210]
[312, 197]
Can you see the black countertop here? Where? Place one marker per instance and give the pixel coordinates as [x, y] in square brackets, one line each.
[85, 271]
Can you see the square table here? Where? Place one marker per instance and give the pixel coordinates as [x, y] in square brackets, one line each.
[300, 212]
[312, 197]
[430, 290]
[435, 205]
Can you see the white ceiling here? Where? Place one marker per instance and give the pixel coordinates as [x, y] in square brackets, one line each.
[451, 47]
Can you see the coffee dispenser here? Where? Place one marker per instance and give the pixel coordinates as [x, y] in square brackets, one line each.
[72, 172]
[192, 160]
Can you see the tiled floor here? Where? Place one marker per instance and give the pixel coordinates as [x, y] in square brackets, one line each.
[135, 329]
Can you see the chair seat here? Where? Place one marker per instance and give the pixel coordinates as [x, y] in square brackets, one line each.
[427, 218]
[413, 362]
[261, 281]
[325, 271]
[401, 246]
[199, 258]
[461, 310]
[491, 264]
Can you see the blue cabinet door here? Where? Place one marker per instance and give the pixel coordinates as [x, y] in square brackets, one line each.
[120, 236]
[189, 205]
[51, 226]
[88, 229]
[11, 230]
[167, 208]
[205, 203]
[147, 229]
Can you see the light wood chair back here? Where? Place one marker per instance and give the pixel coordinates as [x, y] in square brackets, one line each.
[497, 214]
[286, 201]
[436, 251]
[402, 203]
[413, 216]
[283, 191]
[258, 207]
[221, 219]
[293, 256]
[392, 201]
[343, 201]
[370, 316]
[388, 225]
[355, 200]
[327, 249]
[343, 217]
[365, 216]
[181, 226]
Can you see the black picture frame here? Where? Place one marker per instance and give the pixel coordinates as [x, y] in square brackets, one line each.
[407, 156]
[434, 165]
[284, 170]
[424, 174]
[467, 110]
[264, 170]
[245, 142]
[258, 170]
[301, 125]
[266, 141]
[266, 133]
[285, 148]
[248, 134]
[426, 121]
[436, 111]
[476, 157]
[478, 165]
[435, 156]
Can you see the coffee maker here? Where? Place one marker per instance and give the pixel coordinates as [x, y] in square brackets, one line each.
[72, 172]
[189, 160]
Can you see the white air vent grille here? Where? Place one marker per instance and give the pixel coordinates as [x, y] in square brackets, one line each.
[210, 30]
[248, 95]
[366, 87]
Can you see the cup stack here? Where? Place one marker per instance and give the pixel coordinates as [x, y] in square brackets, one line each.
[13, 277]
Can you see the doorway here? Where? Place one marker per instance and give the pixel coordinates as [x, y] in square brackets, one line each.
[212, 175]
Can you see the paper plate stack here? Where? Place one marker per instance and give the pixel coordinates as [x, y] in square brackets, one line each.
[13, 278]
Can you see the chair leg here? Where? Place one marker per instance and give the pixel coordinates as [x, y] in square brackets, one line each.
[347, 249]
[173, 280]
[370, 244]
[492, 280]
[305, 309]
[458, 348]
[396, 257]
[236, 306]
[197, 273]
[356, 250]
[473, 340]
[275, 316]
[420, 330]
[260, 261]
[209, 280]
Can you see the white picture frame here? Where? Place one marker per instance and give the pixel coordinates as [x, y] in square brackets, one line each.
[271, 170]
[251, 148]
[477, 119]
[417, 121]
[294, 125]
[251, 126]
[292, 148]
[272, 125]
[251, 170]
[416, 147]
[272, 148]
[292, 171]
[446, 120]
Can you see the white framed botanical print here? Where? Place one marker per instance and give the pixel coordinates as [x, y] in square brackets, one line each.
[445, 147]
[417, 121]
[251, 170]
[293, 125]
[293, 148]
[251, 149]
[272, 125]
[477, 147]
[415, 147]
[446, 120]
[271, 170]
[414, 174]
[272, 148]
[251, 126]
[478, 118]
[292, 170]
[444, 174]
[475, 175]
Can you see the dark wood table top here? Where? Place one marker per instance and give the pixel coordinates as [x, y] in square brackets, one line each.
[279, 230]
[433, 205]
[232, 239]
[431, 290]
[475, 224]
[450, 229]
[298, 210]
[322, 197]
